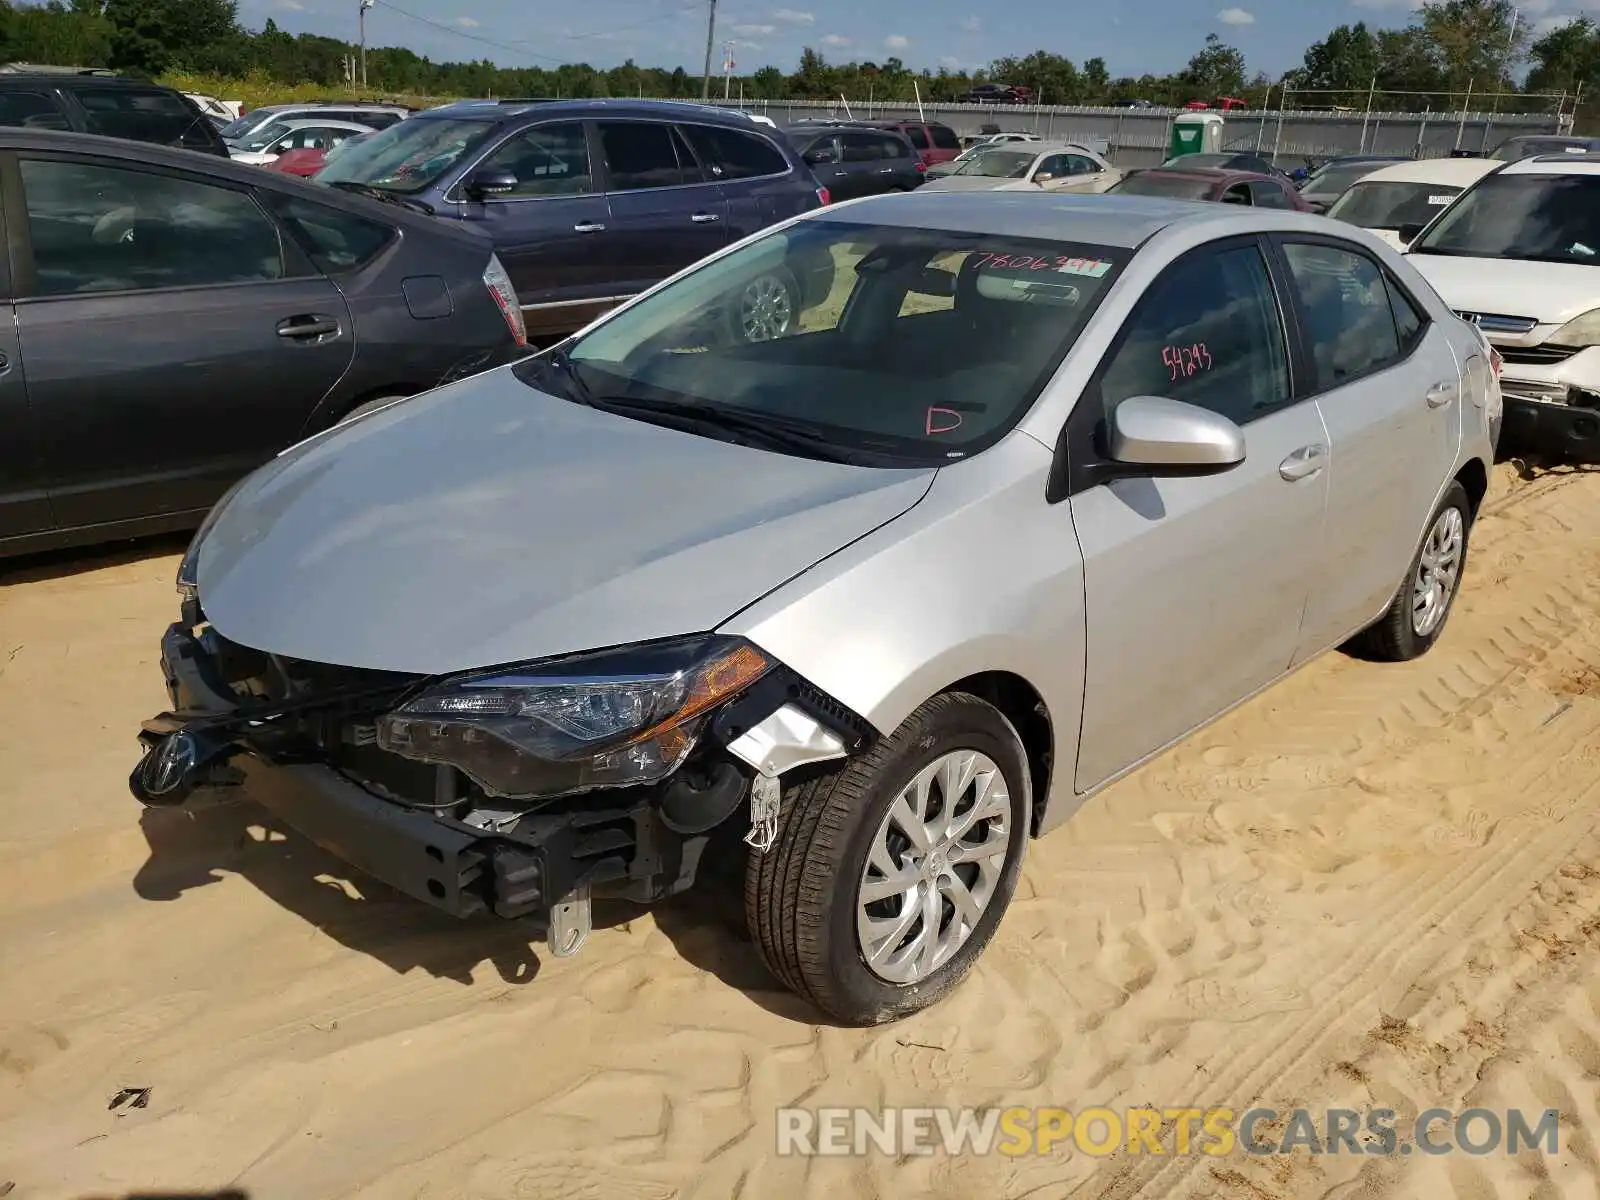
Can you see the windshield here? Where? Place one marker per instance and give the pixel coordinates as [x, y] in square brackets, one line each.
[242, 125]
[268, 133]
[1200, 160]
[1173, 187]
[1392, 205]
[1518, 148]
[407, 156]
[1540, 218]
[998, 164]
[881, 345]
[1332, 180]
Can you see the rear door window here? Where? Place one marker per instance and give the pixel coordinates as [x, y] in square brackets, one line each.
[738, 155]
[145, 115]
[640, 155]
[860, 147]
[893, 147]
[918, 136]
[31, 110]
[335, 240]
[1349, 321]
[944, 138]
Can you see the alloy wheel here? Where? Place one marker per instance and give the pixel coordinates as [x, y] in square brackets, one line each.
[933, 867]
[1438, 571]
[766, 310]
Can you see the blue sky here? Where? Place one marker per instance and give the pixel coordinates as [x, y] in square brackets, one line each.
[1133, 36]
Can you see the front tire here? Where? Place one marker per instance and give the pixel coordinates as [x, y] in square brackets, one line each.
[1417, 615]
[889, 875]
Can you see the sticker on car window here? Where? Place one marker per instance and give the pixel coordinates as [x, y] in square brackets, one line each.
[941, 420]
[1092, 268]
[1437, 200]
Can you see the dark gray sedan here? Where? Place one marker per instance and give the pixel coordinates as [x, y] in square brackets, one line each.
[176, 320]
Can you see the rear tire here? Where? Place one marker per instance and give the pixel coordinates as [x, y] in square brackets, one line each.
[843, 880]
[1421, 607]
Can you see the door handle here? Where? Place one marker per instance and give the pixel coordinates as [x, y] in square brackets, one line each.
[886, 171]
[312, 327]
[1303, 463]
[704, 218]
[1441, 394]
[588, 227]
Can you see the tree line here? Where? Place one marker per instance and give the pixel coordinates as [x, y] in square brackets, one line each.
[1451, 48]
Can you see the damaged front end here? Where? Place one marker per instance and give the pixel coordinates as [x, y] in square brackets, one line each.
[523, 792]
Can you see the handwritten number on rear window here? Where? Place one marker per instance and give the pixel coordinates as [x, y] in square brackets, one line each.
[1186, 361]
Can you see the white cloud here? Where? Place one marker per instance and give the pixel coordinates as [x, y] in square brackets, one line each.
[971, 25]
[1236, 16]
[464, 22]
[896, 41]
[790, 16]
[289, 5]
[752, 30]
[1387, 4]
[950, 62]
[834, 40]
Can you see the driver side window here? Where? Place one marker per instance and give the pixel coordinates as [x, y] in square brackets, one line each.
[1207, 333]
[548, 160]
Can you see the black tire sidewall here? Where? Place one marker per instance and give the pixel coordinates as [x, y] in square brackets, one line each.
[966, 724]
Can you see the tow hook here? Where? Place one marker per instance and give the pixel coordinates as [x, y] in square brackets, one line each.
[787, 739]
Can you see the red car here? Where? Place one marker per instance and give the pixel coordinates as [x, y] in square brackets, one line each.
[304, 163]
[1210, 183]
[934, 143]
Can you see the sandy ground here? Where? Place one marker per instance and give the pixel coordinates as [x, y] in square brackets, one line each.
[1374, 886]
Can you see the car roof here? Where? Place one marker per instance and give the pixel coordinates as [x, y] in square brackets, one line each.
[500, 110]
[324, 123]
[1103, 220]
[1555, 164]
[1462, 171]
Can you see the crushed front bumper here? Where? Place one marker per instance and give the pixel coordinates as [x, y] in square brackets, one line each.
[424, 830]
[1552, 410]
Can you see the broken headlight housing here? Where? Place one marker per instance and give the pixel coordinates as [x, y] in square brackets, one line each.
[617, 718]
[1581, 332]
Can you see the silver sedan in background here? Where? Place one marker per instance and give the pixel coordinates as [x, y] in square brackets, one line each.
[1026, 490]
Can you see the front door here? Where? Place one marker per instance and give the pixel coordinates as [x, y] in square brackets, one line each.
[550, 230]
[24, 503]
[1195, 586]
[1388, 385]
[171, 342]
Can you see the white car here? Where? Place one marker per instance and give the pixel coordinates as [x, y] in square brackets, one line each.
[311, 133]
[1061, 167]
[1407, 194]
[1518, 255]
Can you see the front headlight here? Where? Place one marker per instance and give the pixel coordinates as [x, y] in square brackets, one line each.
[189, 568]
[618, 718]
[1581, 332]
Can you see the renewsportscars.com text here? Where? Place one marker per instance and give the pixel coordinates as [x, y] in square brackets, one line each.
[1215, 1132]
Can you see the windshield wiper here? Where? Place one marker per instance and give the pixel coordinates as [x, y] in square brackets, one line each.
[374, 193]
[773, 433]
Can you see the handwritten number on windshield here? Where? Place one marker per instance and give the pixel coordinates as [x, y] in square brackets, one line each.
[1185, 361]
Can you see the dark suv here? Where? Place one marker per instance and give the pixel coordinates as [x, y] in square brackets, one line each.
[850, 161]
[588, 202]
[93, 101]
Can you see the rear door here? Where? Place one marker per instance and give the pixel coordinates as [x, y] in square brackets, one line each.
[944, 144]
[24, 501]
[917, 135]
[899, 166]
[759, 185]
[865, 171]
[549, 229]
[173, 338]
[1388, 386]
[664, 214]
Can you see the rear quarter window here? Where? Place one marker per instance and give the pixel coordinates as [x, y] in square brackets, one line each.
[31, 110]
[146, 115]
[333, 239]
[739, 155]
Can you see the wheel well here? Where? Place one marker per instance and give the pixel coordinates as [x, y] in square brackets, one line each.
[1025, 709]
[1475, 479]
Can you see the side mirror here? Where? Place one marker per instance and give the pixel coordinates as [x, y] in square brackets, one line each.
[1171, 436]
[1043, 177]
[1409, 233]
[490, 181]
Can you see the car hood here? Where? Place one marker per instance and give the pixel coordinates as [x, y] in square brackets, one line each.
[253, 157]
[967, 183]
[487, 523]
[1550, 293]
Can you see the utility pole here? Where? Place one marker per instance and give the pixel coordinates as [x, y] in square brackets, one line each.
[727, 69]
[711, 41]
[361, 20]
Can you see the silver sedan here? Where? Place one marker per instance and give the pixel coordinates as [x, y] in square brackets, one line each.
[848, 560]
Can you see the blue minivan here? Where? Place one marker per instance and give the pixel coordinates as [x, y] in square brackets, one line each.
[589, 202]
